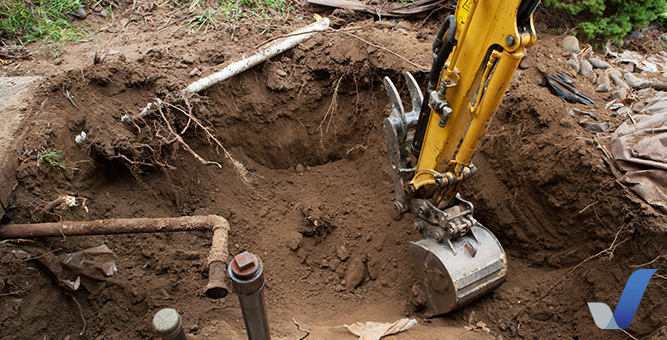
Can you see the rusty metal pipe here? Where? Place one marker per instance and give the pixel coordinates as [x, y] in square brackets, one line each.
[216, 287]
[217, 257]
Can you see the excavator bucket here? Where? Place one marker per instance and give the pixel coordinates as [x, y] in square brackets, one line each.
[454, 274]
[458, 259]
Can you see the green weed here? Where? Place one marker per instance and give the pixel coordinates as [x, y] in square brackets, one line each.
[205, 20]
[40, 20]
[51, 157]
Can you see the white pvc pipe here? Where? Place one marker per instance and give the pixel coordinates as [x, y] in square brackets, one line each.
[269, 51]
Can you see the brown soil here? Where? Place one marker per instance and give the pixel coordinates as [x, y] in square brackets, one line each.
[319, 183]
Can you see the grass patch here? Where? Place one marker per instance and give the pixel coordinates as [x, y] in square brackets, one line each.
[24, 21]
[51, 157]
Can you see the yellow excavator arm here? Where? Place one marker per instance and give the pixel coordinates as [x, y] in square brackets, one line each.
[430, 148]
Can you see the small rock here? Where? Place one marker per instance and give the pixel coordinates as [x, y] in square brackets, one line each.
[619, 82]
[613, 71]
[104, 13]
[616, 106]
[542, 27]
[604, 79]
[624, 111]
[263, 212]
[404, 24]
[574, 64]
[526, 62]
[97, 9]
[34, 29]
[566, 123]
[637, 107]
[597, 63]
[636, 82]
[586, 68]
[593, 78]
[630, 67]
[194, 73]
[342, 253]
[338, 288]
[299, 169]
[540, 312]
[334, 264]
[355, 273]
[281, 73]
[571, 44]
[384, 24]
[325, 264]
[637, 35]
[603, 88]
[620, 94]
[374, 269]
[80, 14]
[540, 80]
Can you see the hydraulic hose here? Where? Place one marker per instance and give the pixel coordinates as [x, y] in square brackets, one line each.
[446, 47]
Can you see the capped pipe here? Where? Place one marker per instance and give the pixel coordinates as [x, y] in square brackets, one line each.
[247, 274]
[168, 325]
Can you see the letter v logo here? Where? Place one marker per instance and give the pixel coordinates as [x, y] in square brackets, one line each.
[627, 304]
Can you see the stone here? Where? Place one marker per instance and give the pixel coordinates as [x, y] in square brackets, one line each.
[636, 82]
[619, 82]
[283, 74]
[624, 111]
[630, 67]
[384, 24]
[566, 123]
[586, 69]
[620, 94]
[374, 269]
[637, 107]
[342, 253]
[263, 212]
[593, 78]
[613, 71]
[80, 14]
[540, 312]
[597, 63]
[574, 64]
[571, 44]
[104, 13]
[404, 24]
[542, 27]
[603, 79]
[354, 276]
[616, 106]
[299, 168]
[637, 35]
[603, 88]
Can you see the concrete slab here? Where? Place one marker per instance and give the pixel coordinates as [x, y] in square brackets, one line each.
[16, 94]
